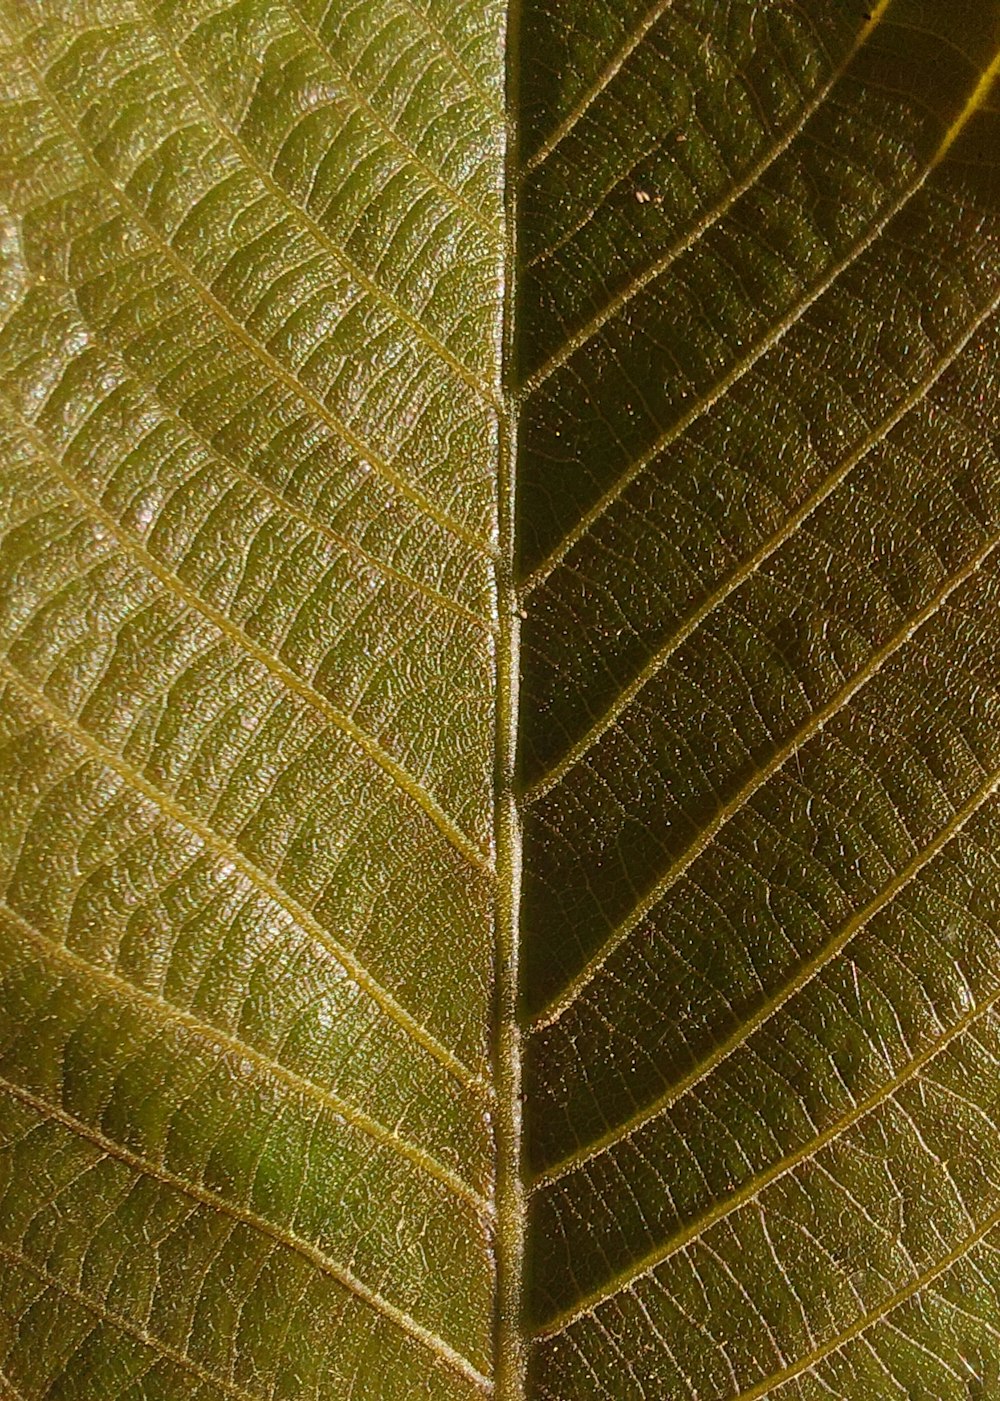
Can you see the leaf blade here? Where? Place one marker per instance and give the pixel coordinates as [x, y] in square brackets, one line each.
[440, 437]
[227, 543]
[730, 1077]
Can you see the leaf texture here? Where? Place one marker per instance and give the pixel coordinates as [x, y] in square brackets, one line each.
[759, 495]
[440, 440]
[249, 441]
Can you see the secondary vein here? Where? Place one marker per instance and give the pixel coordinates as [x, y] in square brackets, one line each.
[816, 722]
[217, 1037]
[257, 878]
[290, 679]
[257, 350]
[775, 334]
[754, 562]
[316, 1257]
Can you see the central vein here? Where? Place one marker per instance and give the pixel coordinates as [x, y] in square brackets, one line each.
[509, 1358]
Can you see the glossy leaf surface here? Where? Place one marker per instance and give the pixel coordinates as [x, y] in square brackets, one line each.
[498, 627]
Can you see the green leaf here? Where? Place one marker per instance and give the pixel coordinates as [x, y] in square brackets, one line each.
[500, 719]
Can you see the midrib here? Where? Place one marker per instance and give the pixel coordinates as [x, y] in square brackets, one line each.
[509, 1340]
[510, 1349]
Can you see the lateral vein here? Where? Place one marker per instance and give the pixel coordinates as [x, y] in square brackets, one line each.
[258, 878]
[125, 1325]
[711, 218]
[254, 346]
[591, 94]
[441, 39]
[300, 1084]
[874, 1316]
[153, 395]
[816, 722]
[753, 1187]
[299, 1246]
[301, 214]
[403, 780]
[746, 362]
[754, 562]
[453, 195]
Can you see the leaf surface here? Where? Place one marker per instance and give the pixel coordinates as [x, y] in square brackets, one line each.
[498, 633]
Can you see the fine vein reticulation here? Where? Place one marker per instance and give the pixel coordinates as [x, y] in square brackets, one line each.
[499, 709]
[758, 991]
[250, 424]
